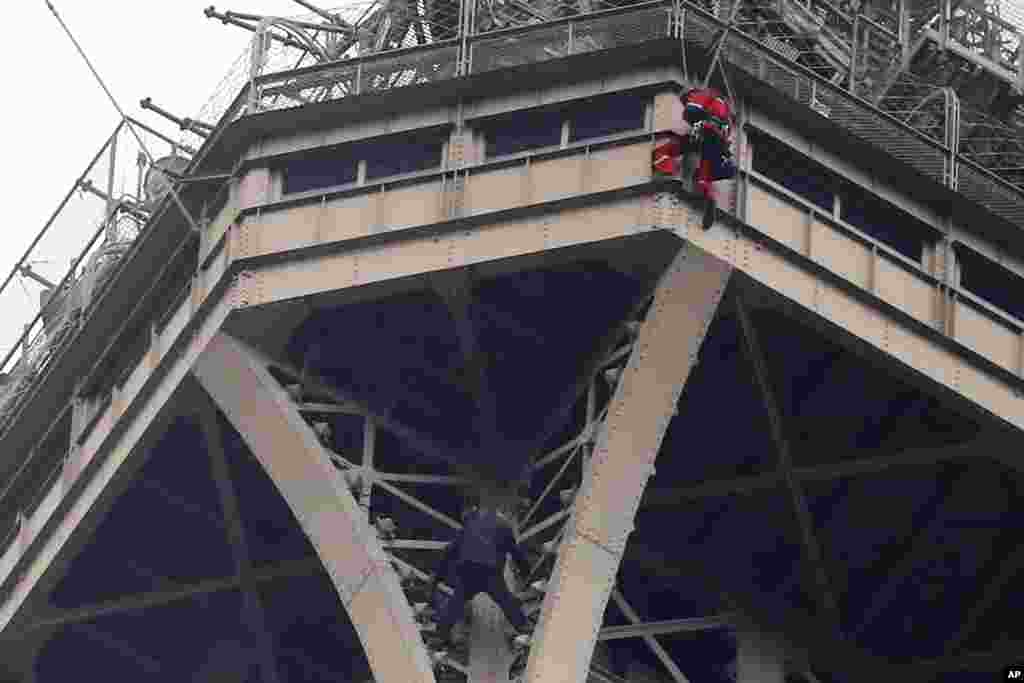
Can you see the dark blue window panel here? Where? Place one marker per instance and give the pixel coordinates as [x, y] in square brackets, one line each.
[405, 154]
[320, 170]
[608, 115]
[793, 171]
[884, 222]
[990, 281]
[523, 131]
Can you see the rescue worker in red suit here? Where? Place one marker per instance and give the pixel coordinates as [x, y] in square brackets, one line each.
[710, 120]
[477, 556]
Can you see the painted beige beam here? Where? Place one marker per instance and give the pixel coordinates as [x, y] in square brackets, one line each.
[785, 264]
[432, 253]
[146, 393]
[271, 425]
[666, 349]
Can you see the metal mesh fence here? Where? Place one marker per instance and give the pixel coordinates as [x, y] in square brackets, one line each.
[982, 188]
[993, 144]
[849, 112]
[619, 30]
[282, 91]
[495, 15]
[917, 103]
[888, 136]
[503, 52]
[420, 66]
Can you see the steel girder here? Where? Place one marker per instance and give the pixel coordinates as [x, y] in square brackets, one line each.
[642, 407]
[264, 414]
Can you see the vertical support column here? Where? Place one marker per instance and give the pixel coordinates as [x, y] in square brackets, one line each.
[254, 188]
[369, 446]
[467, 21]
[903, 28]
[111, 179]
[952, 101]
[461, 150]
[945, 14]
[257, 55]
[644, 402]
[854, 52]
[1020, 66]
[759, 659]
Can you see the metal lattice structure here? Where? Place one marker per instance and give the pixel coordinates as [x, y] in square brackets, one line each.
[375, 533]
[957, 124]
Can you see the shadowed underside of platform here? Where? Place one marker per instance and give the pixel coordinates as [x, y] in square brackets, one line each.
[915, 553]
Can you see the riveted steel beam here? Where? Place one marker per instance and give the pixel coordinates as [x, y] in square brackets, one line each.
[645, 400]
[270, 423]
[60, 525]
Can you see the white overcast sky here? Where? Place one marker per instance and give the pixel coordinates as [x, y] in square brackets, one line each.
[55, 117]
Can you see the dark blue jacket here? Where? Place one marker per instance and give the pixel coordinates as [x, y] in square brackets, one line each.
[486, 539]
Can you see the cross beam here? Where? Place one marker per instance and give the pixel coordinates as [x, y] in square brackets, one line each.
[420, 442]
[852, 467]
[673, 669]
[134, 603]
[252, 608]
[662, 628]
[1009, 569]
[902, 557]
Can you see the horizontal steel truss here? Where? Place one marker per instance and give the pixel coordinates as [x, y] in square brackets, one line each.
[190, 328]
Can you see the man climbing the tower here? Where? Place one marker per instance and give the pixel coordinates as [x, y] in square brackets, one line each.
[477, 556]
[707, 130]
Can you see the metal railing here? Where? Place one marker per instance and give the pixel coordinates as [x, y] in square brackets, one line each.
[106, 210]
[927, 146]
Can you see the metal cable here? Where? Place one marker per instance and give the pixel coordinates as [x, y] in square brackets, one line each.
[124, 117]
